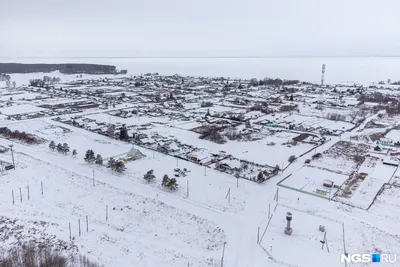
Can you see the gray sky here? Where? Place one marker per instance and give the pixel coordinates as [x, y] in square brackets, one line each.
[199, 28]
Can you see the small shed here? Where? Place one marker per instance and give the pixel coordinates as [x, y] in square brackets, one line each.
[328, 183]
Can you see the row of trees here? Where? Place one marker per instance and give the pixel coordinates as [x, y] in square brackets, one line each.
[22, 136]
[116, 165]
[62, 148]
[167, 182]
[91, 158]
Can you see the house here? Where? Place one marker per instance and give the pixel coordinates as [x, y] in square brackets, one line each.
[147, 142]
[192, 157]
[134, 154]
[328, 183]
[300, 128]
[385, 142]
[224, 168]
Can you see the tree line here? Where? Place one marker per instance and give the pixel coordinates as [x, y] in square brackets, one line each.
[22, 136]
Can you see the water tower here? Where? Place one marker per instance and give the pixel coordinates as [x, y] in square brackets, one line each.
[323, 75]
[288, 229]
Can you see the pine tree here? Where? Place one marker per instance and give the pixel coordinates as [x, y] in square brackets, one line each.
[260, 176]
[123, 134]
[89, 156]
[99, 160]
[276, 169]
[165, 181]
[149, 176]
[65, 148]
[52, 145]
[74, 153]
[172, 184]
[60, 148]
[111, 163]
[119, 166]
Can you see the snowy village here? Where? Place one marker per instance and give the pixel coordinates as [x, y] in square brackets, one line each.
[161, 170]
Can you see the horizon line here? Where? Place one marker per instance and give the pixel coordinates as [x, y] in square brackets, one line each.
[199, 57]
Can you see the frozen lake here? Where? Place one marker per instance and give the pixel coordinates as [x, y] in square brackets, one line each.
[338, 69]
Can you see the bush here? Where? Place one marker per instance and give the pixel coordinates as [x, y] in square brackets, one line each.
[307, 161]
[292, 158]
[31, 255]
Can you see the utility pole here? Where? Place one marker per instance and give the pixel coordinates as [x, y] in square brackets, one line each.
[228, 195]
[269, 211]
[12, 155]
[187, 187]
[223, 254]
[70, 236]
[93, 177]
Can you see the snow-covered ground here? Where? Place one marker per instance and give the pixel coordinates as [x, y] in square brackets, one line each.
[212, 219]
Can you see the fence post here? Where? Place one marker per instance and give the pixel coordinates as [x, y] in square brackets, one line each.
[258, 235]
[20, 194]
[12, 191]
[87, 224]
[106, 212]
[41, 187]
[28, 193]
[79, 225]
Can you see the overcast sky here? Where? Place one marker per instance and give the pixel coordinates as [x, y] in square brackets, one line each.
[199, 28]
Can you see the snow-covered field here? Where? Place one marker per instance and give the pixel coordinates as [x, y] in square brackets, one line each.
[20, 109]
[139, 230]
[303, 247]
[311, 180]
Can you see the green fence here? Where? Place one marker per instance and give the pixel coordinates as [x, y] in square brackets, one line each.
[304, 192]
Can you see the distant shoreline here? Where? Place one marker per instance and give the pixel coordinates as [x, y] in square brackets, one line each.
[67, 68]
[190, 57]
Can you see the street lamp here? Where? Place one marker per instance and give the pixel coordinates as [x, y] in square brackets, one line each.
[12, 155]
